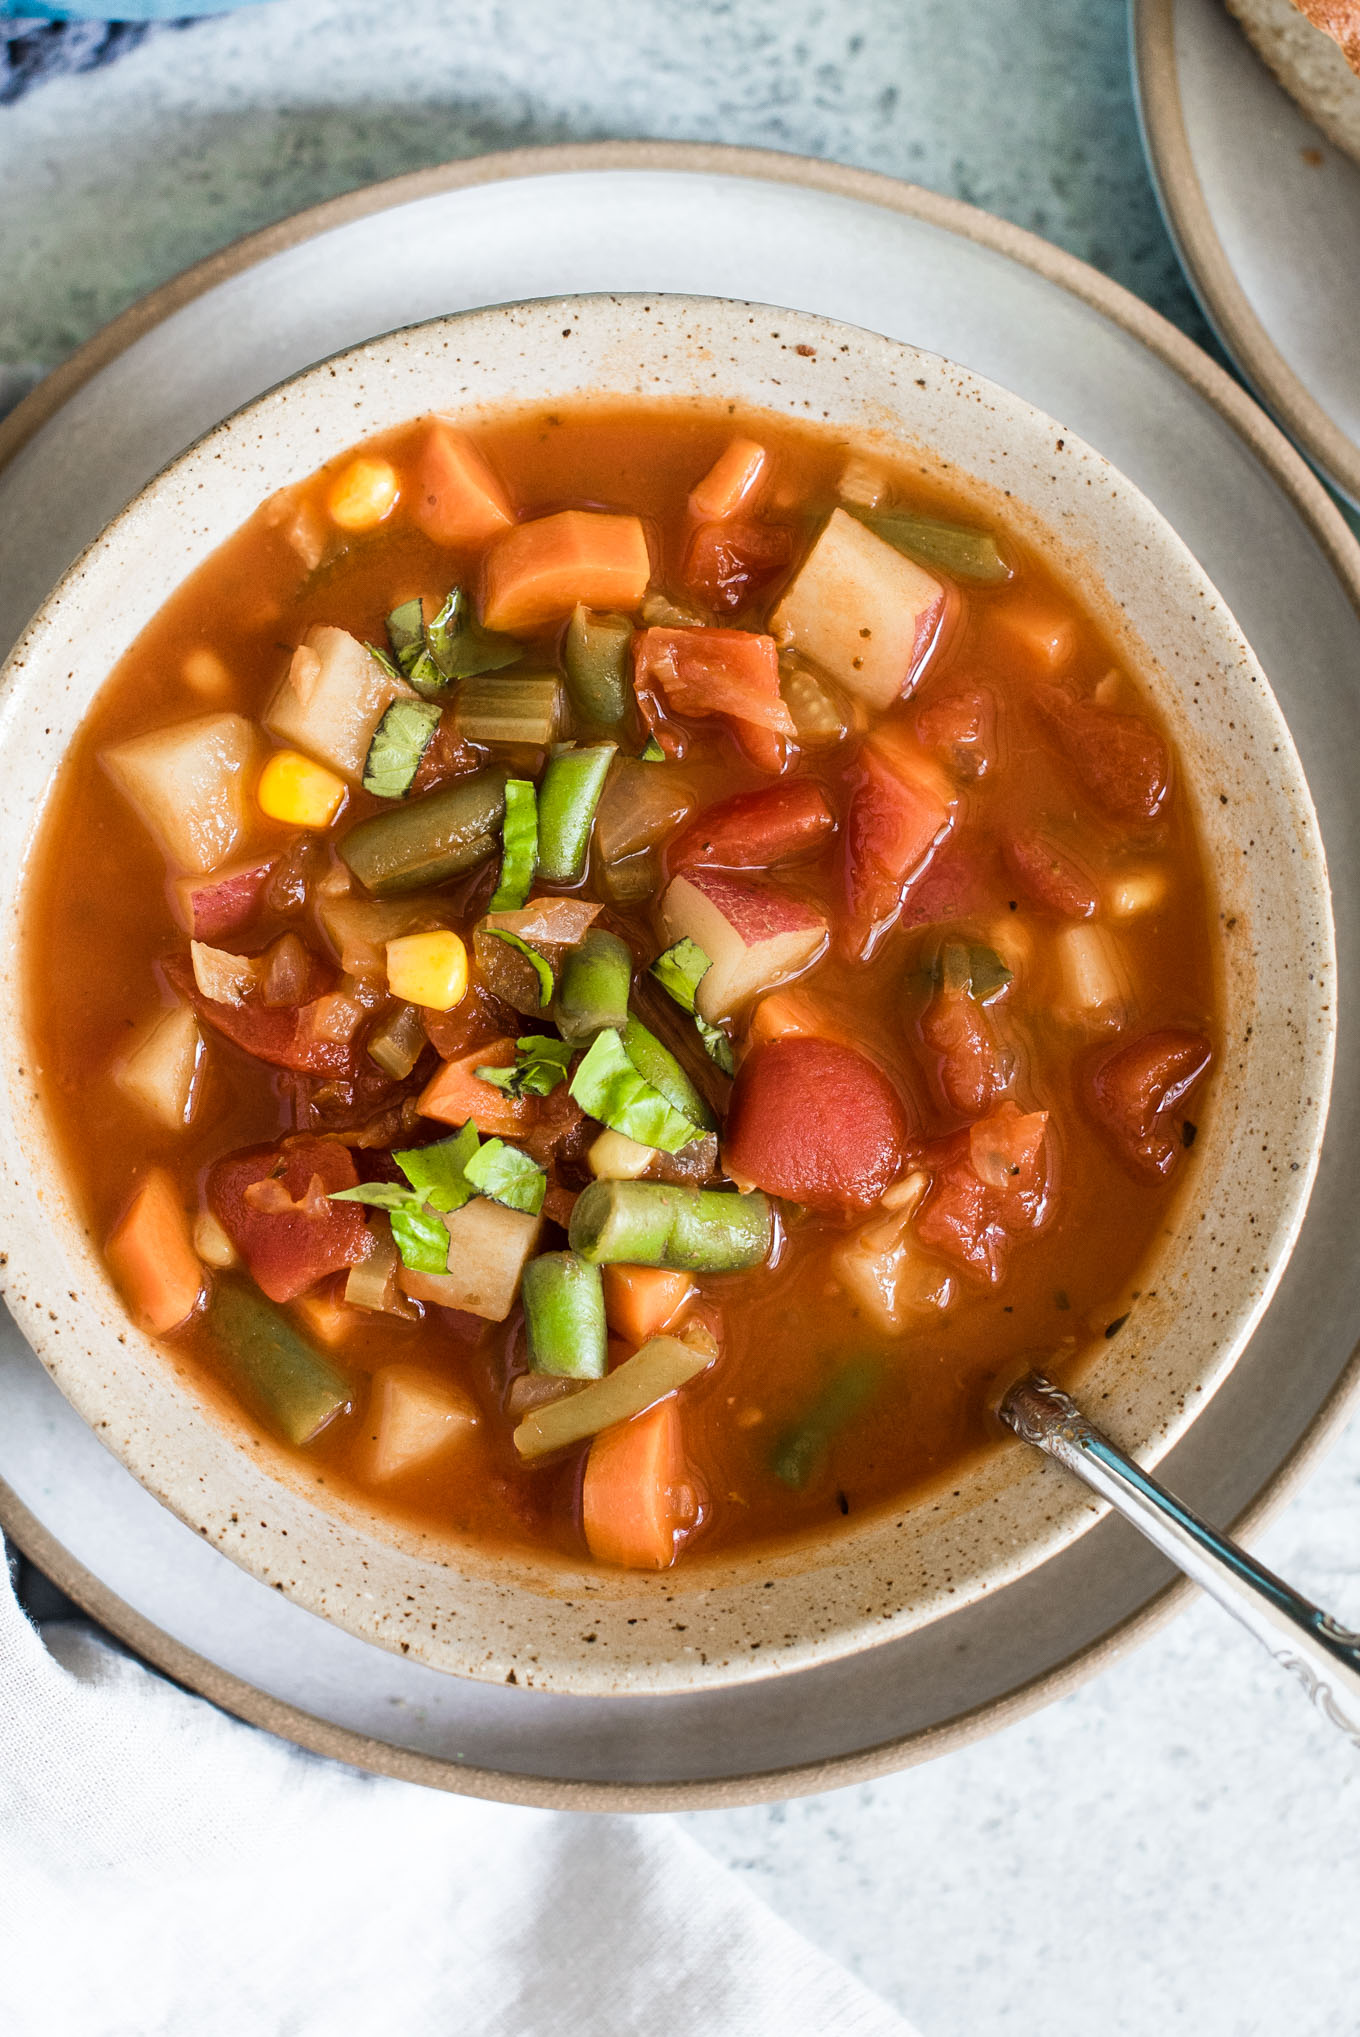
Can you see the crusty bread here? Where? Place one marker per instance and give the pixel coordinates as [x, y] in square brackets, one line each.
[1314, 50]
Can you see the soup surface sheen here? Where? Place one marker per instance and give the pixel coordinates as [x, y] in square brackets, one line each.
[724, 690]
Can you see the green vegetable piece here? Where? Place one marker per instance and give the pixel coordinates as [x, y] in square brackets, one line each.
[609, 1087]
[419, 1235]
[459, 649]
[597, 656]
[288, 1383]
[659, 1368]
[977, 971]
[967, 554]
[563, 1298]
[406, 635]
[987, 974]
[397, 1042]
[438, 1172]
[800, 1451]
[659, 1067]
[515, 708]
[504, 1174]
[653, 753]
[652, 1223]
[680, 971]
[388, 665]
[399, 742]
[519, 845]
[540, 1064]
[567, 800]
[597, 976]
[428, 839]
[541, 966]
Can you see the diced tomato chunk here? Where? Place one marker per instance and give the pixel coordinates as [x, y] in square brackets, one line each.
[898, 813]
[1139, 1090]
[961, 728]
[731, 672]
[271, 1202]
[961, 1055]
[278, 1035]
[816, 1122]
[1048, 875]
[727, 564]
[1119, 758]
[755, 830]
[989, 1185]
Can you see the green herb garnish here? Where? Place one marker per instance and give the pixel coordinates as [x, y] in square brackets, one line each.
[541, 1062]
[438, 1183]
[542, 967]
[680, 971]
[406, 635]
[459, 649]
[505, 1175]
[653, 754]
[399, 742]
[609, 1086]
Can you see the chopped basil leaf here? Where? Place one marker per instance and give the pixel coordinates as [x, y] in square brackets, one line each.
[458, 649]
[438, 1172]
[541, 1062]
[680, 971]
[542, 968]
[417, 1231]
[608, 1086]
[381, 658]
[505, 1175]
[399, 742]
[653, 754]
[978, 971]
[519, 853]
[406, 634]
[376, 1194]
[987, 974]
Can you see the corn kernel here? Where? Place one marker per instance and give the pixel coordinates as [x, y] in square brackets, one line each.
[295, 789]
[1136, 891]
[362, 494]
[428, 969]
[205, 672]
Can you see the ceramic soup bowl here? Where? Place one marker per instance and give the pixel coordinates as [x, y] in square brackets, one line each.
[477, 1613]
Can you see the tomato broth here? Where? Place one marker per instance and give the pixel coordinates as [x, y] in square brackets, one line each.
[910, 1101]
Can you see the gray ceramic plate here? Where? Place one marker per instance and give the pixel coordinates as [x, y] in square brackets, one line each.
[1265, 214]
[915, 267]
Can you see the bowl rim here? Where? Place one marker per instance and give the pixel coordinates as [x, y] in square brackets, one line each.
[1202, 375]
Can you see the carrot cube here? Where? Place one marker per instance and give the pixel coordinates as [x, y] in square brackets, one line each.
[456, 1093]
[152, 1256]
[637, 1500]
[731, 481]
[540, 571]
[641, 1301]
[456, 499]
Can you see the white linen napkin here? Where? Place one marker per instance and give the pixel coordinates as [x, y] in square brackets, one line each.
[168, 1872]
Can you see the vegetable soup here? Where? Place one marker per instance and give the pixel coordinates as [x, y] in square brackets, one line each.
[602, 976]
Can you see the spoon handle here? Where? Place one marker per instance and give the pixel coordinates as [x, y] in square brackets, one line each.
[1321, 1654]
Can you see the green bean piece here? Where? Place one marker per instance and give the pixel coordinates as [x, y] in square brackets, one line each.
[567, 800]
[563, 1298]
[597, 658]
[660, 1368]
[657, 1065]
[290, 1385]
[692, 1230]
[519, 845]
[593, 992]
[800, 1451]
[430, 838]
[510, 707]
[397, 1042]
[967, 554]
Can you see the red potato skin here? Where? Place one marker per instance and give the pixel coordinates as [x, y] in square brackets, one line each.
[728, 563]
[817, 1123]
[289, 1251]
[217, 905]
[1119, 758]
[754, 910]
[1048, 876]
[1137, 1095]
[755, 830]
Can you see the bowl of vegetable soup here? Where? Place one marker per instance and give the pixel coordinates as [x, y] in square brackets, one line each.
[621, 907]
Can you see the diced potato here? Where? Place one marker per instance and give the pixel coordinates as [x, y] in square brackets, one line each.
[886, 1273]
[863, 482]
[428, 969]
[190, 785]
[161, 1071]
[488, 1247]
[413, 1415]
[1135, 892]
[860, 610]
[1044, 634]
[363, 494]
[333, 697]
[616, 1157]
[1094, 981]
[755, 937]
[299, 791]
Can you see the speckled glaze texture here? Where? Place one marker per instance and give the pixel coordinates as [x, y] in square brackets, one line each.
[1245, 1190]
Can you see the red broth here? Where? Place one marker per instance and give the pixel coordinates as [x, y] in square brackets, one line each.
[965, 979]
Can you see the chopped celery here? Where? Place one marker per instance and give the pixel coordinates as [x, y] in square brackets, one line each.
[608, 1086]
[290, 1385]
[512, 708]
[596, 979]
[968, 554]
[596, 656]
[541, 1062]
[397, 1042]
[460, 649]
[563, 1299]
[680, 971]
[662, 1365]
[399, 742]
[505, 1175]
[406, 635]
[541, 967]
[519, 845]
[651, 1223]
[800, 1451]
[430, 839]
[567, 800]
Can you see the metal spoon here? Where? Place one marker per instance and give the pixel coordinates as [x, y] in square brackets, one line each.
[1324, 1656]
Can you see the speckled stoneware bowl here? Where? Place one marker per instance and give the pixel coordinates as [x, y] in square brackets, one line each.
[458, 1608]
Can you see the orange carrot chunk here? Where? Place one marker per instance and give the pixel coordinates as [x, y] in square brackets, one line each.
[152, 1256]
[637, 1501]
[731, 481]
[642, 1301]
[456, 1093]
[538, 572]
[457, 500]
